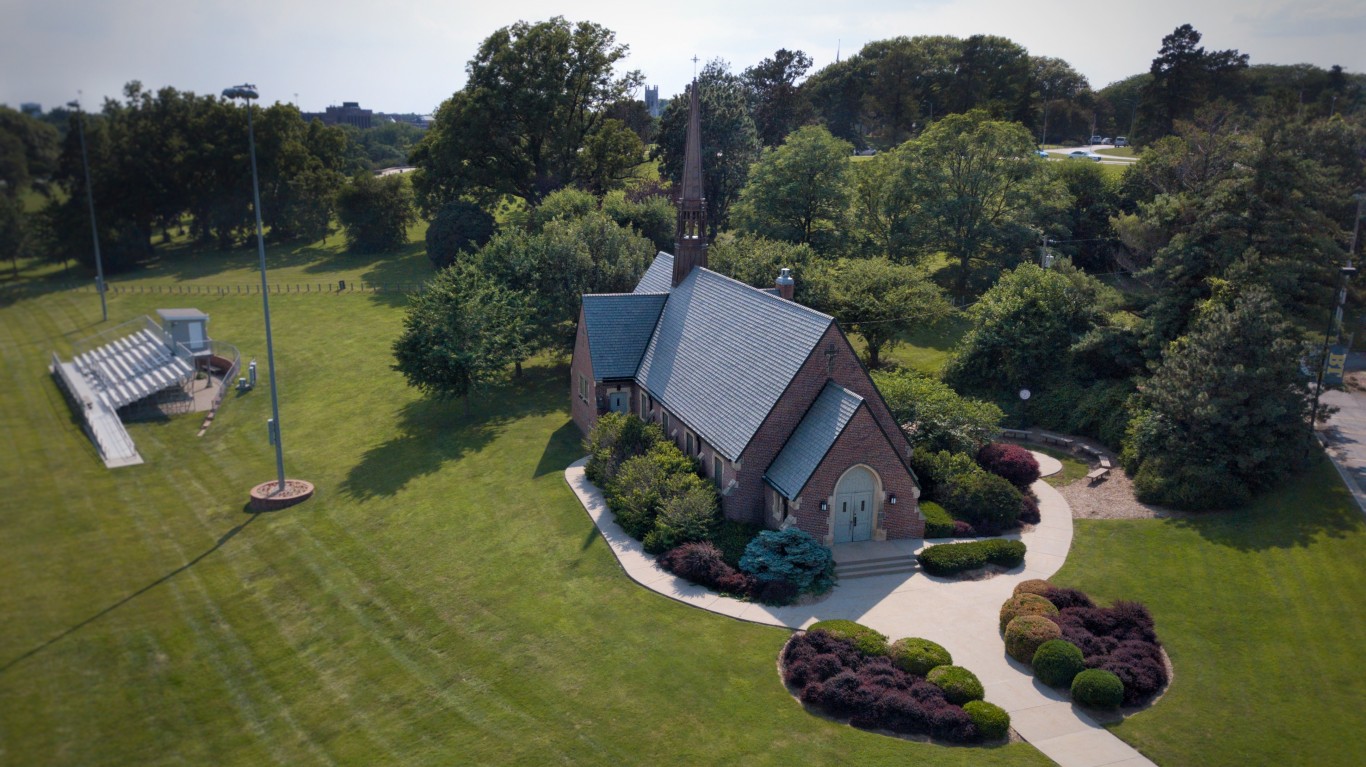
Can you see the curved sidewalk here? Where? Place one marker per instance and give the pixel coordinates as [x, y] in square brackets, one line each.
[960, 615]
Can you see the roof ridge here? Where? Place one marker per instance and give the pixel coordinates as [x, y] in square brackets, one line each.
[767, 295]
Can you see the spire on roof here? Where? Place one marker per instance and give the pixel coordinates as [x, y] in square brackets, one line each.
[690, 235]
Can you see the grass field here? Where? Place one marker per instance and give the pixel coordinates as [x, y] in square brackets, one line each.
[443, 599]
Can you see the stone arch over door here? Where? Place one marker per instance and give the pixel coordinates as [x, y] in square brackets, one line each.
[854, 507]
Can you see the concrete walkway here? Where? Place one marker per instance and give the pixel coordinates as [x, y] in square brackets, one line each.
[960, 615]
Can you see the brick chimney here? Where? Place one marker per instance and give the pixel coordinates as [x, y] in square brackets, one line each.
[785, 284]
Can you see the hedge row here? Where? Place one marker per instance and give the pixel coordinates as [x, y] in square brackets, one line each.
[950, 558]
[1084, 646]
[829, 672]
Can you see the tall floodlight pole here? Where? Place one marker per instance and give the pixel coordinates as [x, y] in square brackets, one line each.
[247, 92]
[1335, 315]
[90, 199]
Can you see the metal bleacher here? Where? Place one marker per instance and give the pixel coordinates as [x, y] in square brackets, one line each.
[126, 364]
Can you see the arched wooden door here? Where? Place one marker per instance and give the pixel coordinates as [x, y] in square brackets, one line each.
[854, 505]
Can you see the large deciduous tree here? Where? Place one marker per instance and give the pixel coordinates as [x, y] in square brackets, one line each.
[799, 192]
[881, 300]
[730, 143]
[461, 333]
[376, 212]
[979, 195]
[776, 103]
[534, 96]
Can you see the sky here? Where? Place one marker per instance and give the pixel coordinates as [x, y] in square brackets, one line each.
[407, 56]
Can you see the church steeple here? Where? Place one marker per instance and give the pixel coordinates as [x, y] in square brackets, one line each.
[690, 235]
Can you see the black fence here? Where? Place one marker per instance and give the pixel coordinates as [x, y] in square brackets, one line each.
[248, 289]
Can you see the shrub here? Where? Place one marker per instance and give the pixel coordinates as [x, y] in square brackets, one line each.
[938, 523]
[959, 684]
[899, 712]
[953, 724]
[950, 558]
[774, 592]
[613, 439]
[737, 583]
[991, 720]
[1025, 604]
[843, 694]
[1029, 509]
[918, 656]
[987, 502]
[698, 562]
[1026, 633]
[1139, 666]
[634, 494]
[731, 537]
[459, 227]
[689, 515]
[1189, 487]
[790, 555]
[1010, 462]
[1057, 661]
[1033, 586]
[1097, 688]
[936, 470]
[865, 640]
[1132, 621]
[962, 529]
[1065, 598]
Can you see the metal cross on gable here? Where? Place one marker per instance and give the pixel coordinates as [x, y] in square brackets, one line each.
[830, 358]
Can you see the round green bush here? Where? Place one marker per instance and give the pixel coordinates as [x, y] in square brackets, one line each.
[868, 641]
[918, 656]
[992, 721]
[1097, 688]
[1025, 633]
[1032, 586]
[1057, 661]
[938, 521]
[959, 684]
[1025, 604]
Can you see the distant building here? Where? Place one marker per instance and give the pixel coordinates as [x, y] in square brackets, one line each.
[349, 113]
[652, 100]
[31, 109]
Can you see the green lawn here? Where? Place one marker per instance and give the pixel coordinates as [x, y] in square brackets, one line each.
[442, 600]
[1261, 611]
[1073, 468]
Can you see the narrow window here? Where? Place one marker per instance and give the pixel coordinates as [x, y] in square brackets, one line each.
[716, 470]
[664, 421]
[688, 438]
[583, 388]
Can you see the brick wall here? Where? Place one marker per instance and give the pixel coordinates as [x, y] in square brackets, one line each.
[747, 501]
[862, 442]
[584, 413]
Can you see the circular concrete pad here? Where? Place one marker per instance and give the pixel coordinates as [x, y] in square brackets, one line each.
[1048, 465]
[264, 497]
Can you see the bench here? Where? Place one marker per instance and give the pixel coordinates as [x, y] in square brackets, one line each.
[1052, 440]
[1015, 434]
[1097, 475]
[1104, 462]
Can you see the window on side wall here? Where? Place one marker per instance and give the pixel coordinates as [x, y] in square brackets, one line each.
[717, 470]
[583, 387]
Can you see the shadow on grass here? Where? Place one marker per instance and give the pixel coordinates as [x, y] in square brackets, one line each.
[1312, 505]
[564, 447]
[222, 540]
[434, 432]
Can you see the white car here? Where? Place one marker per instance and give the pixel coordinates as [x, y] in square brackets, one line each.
[1084, 154]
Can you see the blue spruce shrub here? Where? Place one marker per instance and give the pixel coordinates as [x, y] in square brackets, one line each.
[790, 555]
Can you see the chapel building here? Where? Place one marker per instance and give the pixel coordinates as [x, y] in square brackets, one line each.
[767, 394]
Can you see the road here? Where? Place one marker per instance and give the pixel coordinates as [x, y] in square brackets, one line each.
[1108, 160]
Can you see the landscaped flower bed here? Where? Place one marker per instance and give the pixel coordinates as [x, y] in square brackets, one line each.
[953, 558]
[850, 672]
[1106, 656]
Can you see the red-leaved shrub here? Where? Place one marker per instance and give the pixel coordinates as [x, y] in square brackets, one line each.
[1016, 464]
[1029, 510]
[1065, 598]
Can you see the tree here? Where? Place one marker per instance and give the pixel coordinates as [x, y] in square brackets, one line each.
[459, 227]
[555, 266]
[1088, 235]
[533, 96]
[12, 233]
[934, 415]
[758, 261]
[730, 143]
[776, 103]
[376, 212]
[799, 192]
[881, 300]
[977, 190]
[460, 334]
[1227, 411]
[610, 156]
[880, 209]
[1024, 326]
[1185, 76]
[652, 217]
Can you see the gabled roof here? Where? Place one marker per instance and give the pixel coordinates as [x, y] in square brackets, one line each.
[723, 353]
[619, 327]
[811, 440]
[658, 276]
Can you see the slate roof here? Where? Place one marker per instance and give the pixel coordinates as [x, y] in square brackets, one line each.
[723, 353]
[659, 277]
[619, 327]
[811, 440]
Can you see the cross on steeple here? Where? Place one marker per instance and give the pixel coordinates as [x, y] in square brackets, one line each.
[694, 66]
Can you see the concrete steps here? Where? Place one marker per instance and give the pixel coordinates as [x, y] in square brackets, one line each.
[868, 568]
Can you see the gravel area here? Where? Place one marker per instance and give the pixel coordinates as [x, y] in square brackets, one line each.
[1111, 498]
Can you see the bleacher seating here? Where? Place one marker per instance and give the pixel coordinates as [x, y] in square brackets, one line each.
[131, 368]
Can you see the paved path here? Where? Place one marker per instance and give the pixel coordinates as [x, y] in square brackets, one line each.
[960, 615]
[1345, 439]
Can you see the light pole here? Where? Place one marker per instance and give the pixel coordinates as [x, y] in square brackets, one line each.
[90, 199]
[1335, 316]
[247, 93]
